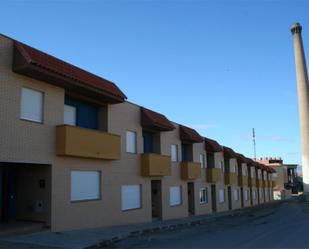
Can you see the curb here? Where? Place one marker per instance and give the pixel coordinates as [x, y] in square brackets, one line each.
[181, 224]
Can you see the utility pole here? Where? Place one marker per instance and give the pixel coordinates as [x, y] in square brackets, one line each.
[254, 144]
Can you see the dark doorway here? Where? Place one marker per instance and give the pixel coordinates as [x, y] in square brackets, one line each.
[8, 183]
[191, 205]
[251, 196]
[229, 196]
[242, 197]
[258, 195]
[213, 198]
[156, 199]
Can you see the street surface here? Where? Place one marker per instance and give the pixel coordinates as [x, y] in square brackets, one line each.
[283, 226]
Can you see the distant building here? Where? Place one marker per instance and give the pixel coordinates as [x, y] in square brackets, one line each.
[286, 180]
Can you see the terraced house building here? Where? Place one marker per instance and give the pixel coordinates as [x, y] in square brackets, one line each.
[76, 154]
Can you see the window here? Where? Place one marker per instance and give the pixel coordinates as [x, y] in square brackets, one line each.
[175, 196]
[246, 193]
[31, 105]
[222, 195]
[252, 173]
[244, 171]
[69, 115]
[130, 197]
[131, 141]
[222, 166]
[174, 152]
[232, 168]
[203, 160]
[275, 175]
[203, 196]
[254, 194]
[236, 194]
[85, 185]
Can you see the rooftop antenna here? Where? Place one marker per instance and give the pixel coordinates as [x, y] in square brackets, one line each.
[254, 144]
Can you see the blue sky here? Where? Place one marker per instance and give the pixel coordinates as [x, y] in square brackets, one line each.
[222, 67]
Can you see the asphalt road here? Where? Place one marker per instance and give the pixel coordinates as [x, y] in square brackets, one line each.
[283, 226]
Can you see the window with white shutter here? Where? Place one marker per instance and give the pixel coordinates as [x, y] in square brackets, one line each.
[221, 195]
[236, 195]
[85, 185]
[174, 152]
[130, 197]
[69, 115]
[31, 105]
[175, 195]
[131, 142]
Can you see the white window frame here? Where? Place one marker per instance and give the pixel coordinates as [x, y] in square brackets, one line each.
[221, 195]
[236, 194]
[78, 185]
[203, 160]
[65, 117]
[136, 201]
[175, 201]
[174, 153]
[246, 195]
[131, 146]
[203, 196]
[252, 173]
[244, 170]
[26, 108]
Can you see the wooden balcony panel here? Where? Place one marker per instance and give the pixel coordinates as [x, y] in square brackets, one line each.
[230, 178]
[242, 181]
[80, 142]
[190, 170]
[213, 175]
[156, 165]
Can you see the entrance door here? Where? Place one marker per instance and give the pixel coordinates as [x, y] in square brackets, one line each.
[258, 195]
[9, 195]
[251, 196]
[191, 198]
[229, 195]
[156, 199]
[242, 197]
[213, 198]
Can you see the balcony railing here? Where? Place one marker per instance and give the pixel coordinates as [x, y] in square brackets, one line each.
[251, 182]
[190, 170]
[242, 181]
[80, 142]
[156, 165]
[213, 175]
[230, 178]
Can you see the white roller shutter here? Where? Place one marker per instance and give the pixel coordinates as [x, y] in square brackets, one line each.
[131, 141]
[85, 185]
[31, 105]
[175, 196]
[69, 115]
[130, 197]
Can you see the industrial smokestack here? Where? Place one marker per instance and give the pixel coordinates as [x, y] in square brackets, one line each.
[303, 100]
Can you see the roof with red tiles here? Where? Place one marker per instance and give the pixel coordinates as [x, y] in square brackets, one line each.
[229, 153]
[155, 121]
[212, 145]
[242, 158]
[189, 135]
[37, 64]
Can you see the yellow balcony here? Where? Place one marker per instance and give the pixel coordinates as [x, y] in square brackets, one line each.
[213, 175]
[190, 170]
[251, 182]
[156, 165]
[80, 142]
[273, 183]
[242, 181]
[230, 178]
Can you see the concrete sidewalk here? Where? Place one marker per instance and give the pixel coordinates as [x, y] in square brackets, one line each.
[107, 235]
